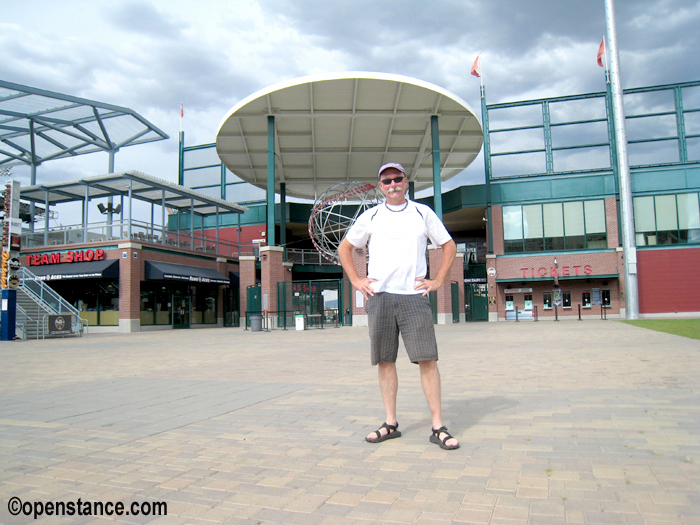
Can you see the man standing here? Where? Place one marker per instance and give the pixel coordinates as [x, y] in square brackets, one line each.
[396, 293]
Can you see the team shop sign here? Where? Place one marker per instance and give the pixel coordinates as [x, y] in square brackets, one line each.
[40, 259]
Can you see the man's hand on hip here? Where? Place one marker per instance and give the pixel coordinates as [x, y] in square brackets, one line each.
[364, 284]
[427, 285]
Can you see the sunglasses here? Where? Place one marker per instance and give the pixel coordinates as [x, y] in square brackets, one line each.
[397, 180]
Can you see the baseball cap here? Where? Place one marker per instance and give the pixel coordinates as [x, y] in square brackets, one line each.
[394, 165]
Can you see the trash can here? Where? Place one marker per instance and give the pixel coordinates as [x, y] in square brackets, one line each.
[299, 321]
[256, 323]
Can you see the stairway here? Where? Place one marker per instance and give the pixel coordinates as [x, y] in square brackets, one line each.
[35, 312]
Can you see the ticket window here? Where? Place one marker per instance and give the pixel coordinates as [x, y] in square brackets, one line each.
[566, 299]
[586, 299]
[605, 297]
[547, 300]
[510, 304]
[528, 301]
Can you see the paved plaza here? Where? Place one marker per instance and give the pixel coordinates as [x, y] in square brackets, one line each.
[590, 422]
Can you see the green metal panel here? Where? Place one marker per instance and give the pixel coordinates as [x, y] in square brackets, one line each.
[254, 302]
[659, 180]
[433, 305]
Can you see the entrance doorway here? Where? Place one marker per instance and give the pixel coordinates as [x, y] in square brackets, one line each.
[476, 301]
[181, 310]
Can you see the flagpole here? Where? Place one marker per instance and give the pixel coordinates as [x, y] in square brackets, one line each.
[629, 250]
[181, 150]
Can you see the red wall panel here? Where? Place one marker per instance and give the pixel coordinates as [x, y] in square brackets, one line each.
[669, 280]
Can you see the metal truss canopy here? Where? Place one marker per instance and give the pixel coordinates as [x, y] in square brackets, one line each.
[141, 186]
[342, 127]
[38, 125]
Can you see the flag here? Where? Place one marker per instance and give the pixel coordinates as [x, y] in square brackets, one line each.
[182, 110]
[476, 66]
[601, 53]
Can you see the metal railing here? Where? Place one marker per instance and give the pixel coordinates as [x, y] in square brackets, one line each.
[139, 231]
[43, 294]
[297, 256]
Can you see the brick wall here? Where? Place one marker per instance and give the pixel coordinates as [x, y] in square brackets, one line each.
[247, 278]
[272, 271]
[574, 272]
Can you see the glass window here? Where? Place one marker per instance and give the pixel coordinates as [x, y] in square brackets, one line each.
[666, 215]
[512, 223]
[586, 298]
[605, 297]
[573, 218]
[573, 226]
[553, 220]
[547, 300]
[594, 212]
[510, 304]
[528, 301]
[532, 228]
[689, 217]
[644, 220]
[566, 299]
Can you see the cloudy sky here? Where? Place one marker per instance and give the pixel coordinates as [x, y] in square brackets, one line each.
[151, 55]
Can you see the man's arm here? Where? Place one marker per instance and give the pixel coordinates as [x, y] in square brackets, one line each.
[359, 283]
[449, 250]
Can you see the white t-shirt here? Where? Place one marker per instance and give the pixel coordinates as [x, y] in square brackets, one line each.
[397, 244]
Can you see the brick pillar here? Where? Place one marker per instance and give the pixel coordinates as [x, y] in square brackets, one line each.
[492, 287]
[130, 275]
[457, 275]
[444, 293]
[247, 278]
[272, 271]
[222, 268]
[359, 260]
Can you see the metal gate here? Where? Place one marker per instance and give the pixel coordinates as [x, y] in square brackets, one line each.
[322, 302]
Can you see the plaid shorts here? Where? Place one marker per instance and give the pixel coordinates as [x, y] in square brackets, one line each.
[390, 314]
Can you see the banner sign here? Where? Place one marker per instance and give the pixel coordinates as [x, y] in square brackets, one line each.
[11, 230]
[60, 324]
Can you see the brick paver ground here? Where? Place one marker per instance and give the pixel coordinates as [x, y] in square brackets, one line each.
[592, 422]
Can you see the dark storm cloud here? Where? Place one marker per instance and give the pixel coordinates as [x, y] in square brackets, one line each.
[528, 46]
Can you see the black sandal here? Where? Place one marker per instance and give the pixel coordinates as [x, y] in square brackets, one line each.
[390, 434]
[435, 438]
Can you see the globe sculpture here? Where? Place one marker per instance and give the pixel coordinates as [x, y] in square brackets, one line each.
[335, 211]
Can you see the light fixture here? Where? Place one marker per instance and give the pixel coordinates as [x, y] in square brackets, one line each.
[104, 210]
[556, 263]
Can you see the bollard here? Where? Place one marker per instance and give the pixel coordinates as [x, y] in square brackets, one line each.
[516, 315]
[535, 313]
[579, 311]
[556, 313]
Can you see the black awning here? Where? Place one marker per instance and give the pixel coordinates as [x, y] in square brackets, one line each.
[157, 271]
[235, 279]
[107, 269]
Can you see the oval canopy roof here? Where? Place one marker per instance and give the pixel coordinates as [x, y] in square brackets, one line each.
[340, 127]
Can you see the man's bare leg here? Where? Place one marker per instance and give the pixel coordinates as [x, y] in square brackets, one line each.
[389, 386]
[430, 379]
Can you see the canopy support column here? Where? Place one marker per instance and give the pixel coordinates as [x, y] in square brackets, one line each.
[283, 219]
[437, 182]
[270, 180]
[191, 224]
